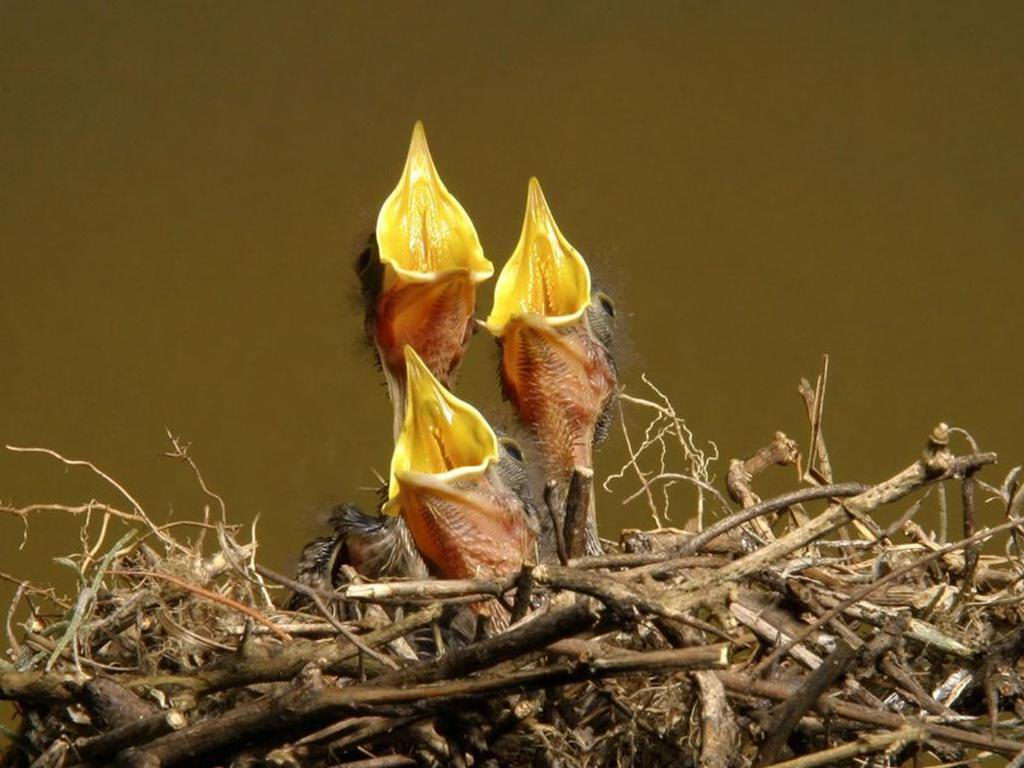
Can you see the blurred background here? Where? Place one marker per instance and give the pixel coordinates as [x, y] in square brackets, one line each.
[184, 187]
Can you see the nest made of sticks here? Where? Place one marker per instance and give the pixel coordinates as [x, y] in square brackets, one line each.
[792, 631]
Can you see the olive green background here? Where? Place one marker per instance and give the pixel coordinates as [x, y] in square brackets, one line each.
[183, 187]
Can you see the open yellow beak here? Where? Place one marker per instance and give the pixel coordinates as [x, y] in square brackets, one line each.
[443, 438]
[423, 232]
[545, 276]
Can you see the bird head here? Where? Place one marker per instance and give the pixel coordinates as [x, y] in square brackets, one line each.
[554, 331]
[423, 232]
[450, 483]
[545, 277]
[420, 273]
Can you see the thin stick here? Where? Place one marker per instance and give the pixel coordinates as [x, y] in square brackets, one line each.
[252, 613]
[745, 685]
[860, 594]
[634, 461]
[576, 522]
[736, 519]
[375, 592]
[181, 452]
[111, 481]
[350, 636]
[865, 745]
[524, 593]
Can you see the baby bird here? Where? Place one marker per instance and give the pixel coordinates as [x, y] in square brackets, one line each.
[458, 502]
[555, 336]
[461, 491]
[419, 274]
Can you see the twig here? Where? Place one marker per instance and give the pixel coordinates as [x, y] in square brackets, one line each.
[387, 761]
[814, 401]
[35, 686]
[289, 659]
[524, 593]
[426, 589]
[252, 613]
[971, 553]
[860, 594]
[554, 503]
[667, 422]
[348, 635]
[905, 680]
[712, 586]
[112, 705]
[404, 591]
[736, 519]
[718, 724]
[615, 594]
[781, 451]
[943, 516]
[634, 459]
[773, 634]
[12, 641]
[813, 686]
[749, 686]
[865, 745]
[310, 707]
[138, 732]
[142, 516]
[578, 511]
[517, 641]
[180, 451]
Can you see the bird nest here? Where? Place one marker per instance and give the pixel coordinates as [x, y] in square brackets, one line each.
[793, 630]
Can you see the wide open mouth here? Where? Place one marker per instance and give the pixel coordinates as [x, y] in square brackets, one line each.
[545, 276]
[422, 230]
[443, 438]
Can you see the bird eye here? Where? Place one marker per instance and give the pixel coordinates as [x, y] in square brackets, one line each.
[363, 261]
[606, 304]
[512, 448]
